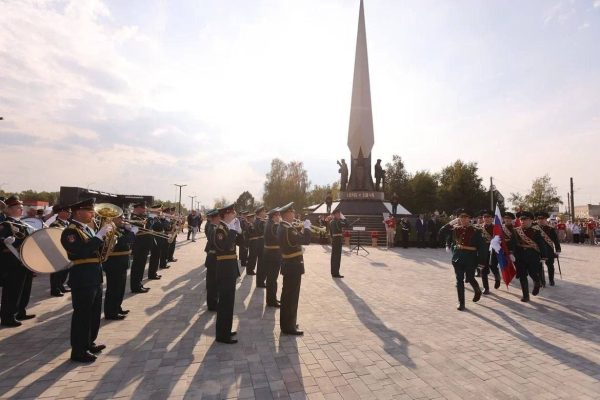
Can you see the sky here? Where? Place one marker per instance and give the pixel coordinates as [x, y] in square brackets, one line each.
[135, 96]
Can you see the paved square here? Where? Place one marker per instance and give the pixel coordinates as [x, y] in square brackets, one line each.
[388, 330]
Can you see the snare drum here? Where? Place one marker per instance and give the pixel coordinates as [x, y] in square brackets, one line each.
[42, 252]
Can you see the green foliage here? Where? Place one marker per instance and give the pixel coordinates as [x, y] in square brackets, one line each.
[542, 197]
[424, 190]
[245, 201]
[285, 183]
[460, 186]
[32, 195]
[397, 181]
[221, 202]
[319, 192]
[171, 204]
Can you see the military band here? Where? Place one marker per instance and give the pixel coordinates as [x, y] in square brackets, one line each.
[272, 256]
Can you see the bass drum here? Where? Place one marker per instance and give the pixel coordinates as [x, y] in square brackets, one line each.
[35, 223]
[42, 252]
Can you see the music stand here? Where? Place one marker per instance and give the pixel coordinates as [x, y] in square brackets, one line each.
[358, 246]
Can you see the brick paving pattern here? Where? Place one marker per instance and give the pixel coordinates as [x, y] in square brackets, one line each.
[388, 330]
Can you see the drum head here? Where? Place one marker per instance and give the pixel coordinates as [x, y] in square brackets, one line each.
[43, 253]
[34, 222]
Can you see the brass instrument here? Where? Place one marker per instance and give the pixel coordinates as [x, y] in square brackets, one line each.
[106, 212]
[142, 222]
[299, 225]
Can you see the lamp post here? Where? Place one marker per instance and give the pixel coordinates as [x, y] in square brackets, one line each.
[192, 197]
[179, 204]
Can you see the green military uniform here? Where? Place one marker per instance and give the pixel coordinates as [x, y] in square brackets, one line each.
[529, 251]
[272, 258]
[552, 245]
[212, 295]
[336, 231]
[259, 227]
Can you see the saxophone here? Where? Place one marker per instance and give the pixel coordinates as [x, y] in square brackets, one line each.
[105, 213]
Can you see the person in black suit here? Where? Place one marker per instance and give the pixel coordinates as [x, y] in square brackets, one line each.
[144, 240]
[421, 227]
[433, 228]
[83, 246]
[58, 279]
[212, 295]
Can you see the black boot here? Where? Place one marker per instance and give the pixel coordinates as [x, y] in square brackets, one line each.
[461, 298]
[497, 281]
[542, 276]
[486, 284]
[477, 291]
[524, 289]
[536, 288]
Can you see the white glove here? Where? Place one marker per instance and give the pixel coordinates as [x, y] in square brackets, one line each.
[235, 225]
[512, 258]
[9, 240]
[127, 226]
[104, 230]
[448, 250]
[134, 229]
[307, 224]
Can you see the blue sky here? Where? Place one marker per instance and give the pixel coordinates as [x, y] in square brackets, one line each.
[133, 96]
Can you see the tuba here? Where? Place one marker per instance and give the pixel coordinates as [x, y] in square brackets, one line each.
[105, 213]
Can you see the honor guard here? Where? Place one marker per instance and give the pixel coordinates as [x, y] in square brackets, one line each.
[223, 239]
[336, 226]
[259, 227]
[83, 246]
[252, 243]
[530, 249]
[158, 243]
[243, 239]
[468, 250]
[212, 295]
[16, 289]
[272, 257]
[58, 279]
[491, 263]
[552, 244]
[144, 240]
[292, 267]
[115, 268]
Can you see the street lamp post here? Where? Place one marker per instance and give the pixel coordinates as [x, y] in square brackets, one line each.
[179, 204]
[192, 197]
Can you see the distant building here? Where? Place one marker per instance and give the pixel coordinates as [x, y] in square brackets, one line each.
[70, 195]
[587, 211]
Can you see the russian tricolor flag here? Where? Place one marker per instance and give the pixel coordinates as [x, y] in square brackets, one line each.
[498, 245]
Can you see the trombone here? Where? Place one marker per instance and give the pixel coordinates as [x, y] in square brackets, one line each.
[147, 230]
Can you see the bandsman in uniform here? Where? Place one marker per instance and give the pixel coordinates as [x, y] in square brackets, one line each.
[58, 279]
[491, 260]
[17, 279]
[158, 243]
[175, 228]
[223, 240]
[468, 251]
[85, 279]
[259, 227]
[164, 246]
[529, 251]
[115, 268]
[292, 267]
[552, 244]
[252, 243]
[212, 295]
[272, 257]
[144, 241]
[243, 239]
[336, 227]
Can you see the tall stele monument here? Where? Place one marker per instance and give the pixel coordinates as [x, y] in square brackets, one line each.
[360, 134]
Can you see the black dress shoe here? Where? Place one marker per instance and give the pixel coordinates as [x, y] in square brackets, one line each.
[165, 267]
[276, 305]
[294, 332]
[551, 283]
[56, 294]
[155, 277]
[461, 307]
[250, 273]
[227, 341]
[212, 309]
[525, 299]
[141, 290]
[172, 260]
[337, 276]
[86, 357]
[96, 348]
[124, 312]
[23, 317]
[13, 323]
[496, 284]
[117, 317]
[536, 289]
[486, 291]
[261, 286]
[233, 333]
[64, 289]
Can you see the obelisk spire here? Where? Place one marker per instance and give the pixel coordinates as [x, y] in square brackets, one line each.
[360, 134]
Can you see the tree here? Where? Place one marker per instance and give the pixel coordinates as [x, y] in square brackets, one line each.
[424, 189]
[245, 202]
[460, 186]
[396, 181]
[286, 183]
[318, 193]
[542, 197]
[221, 202]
